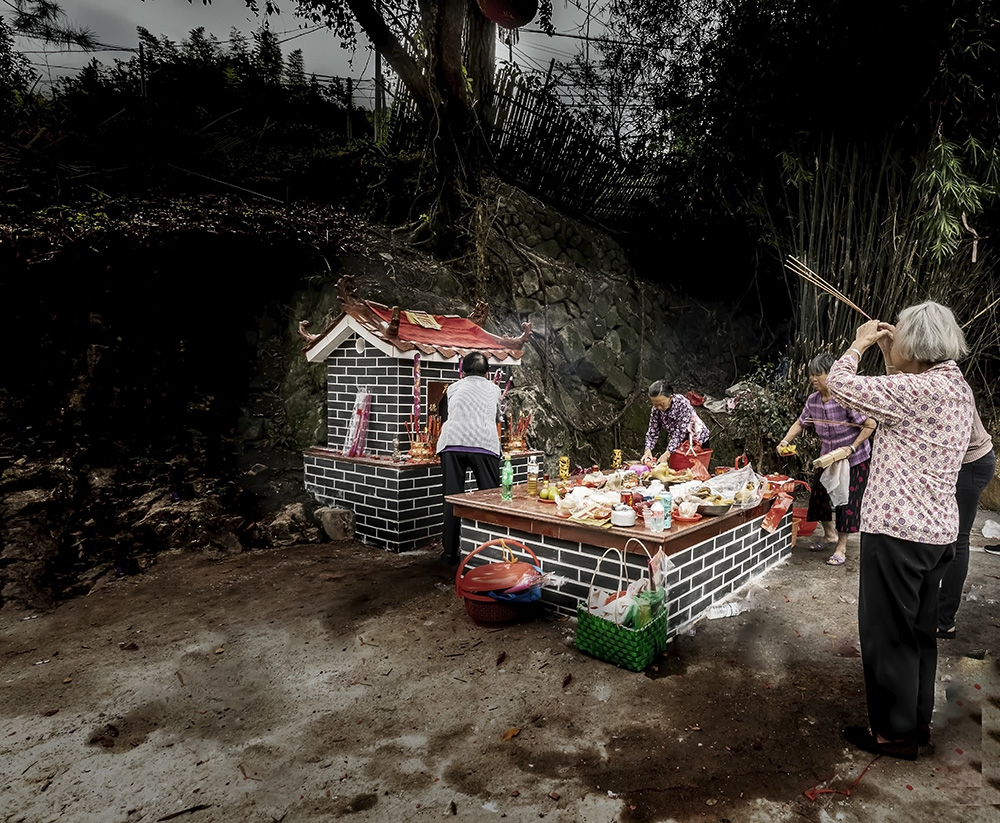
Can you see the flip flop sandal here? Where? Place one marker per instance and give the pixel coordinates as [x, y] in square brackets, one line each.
[834, 560]
[818, 546]
[947, 634]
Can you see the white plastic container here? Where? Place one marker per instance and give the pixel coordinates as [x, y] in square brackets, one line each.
[656, 521]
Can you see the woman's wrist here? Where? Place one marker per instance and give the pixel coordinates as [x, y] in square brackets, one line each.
[856, 351]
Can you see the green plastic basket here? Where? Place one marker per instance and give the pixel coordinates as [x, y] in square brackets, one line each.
[632, 649]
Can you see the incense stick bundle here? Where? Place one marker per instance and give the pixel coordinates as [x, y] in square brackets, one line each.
[796, 266]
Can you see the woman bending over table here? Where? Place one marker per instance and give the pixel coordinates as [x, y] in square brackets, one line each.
[673, 414]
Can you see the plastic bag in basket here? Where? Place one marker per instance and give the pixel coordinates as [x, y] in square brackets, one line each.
[613, 606]
[645, 607]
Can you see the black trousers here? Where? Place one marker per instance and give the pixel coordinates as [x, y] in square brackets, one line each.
[485, 468]
[972, 480]
[897, 619]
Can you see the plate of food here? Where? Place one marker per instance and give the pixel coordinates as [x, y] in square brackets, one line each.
[692, 519]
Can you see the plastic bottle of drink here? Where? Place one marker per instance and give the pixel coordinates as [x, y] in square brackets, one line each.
[730, 609]
[532, 477]
[543, 486]
[507, 480]
[656, 523]
[668, 506]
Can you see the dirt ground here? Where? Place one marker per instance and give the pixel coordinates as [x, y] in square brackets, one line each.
[341, 681]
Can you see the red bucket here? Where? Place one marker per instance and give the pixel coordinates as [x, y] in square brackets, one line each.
[806, 527]
[685, 458]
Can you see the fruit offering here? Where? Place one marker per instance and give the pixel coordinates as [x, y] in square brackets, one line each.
[786, 450]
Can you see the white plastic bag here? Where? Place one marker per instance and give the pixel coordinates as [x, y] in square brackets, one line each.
[613, 606]
[744, 486]
[836, 479]
[991, 530]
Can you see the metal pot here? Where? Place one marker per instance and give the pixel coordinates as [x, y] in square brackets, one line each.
[622, 515]
[714, 511]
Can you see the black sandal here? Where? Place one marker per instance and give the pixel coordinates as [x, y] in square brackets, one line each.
[946, 634]
[862, 737]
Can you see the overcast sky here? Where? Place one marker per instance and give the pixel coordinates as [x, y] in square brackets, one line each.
[114, 22]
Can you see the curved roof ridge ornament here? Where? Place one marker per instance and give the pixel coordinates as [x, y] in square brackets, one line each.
[517, 342]
[309, 337]
[346, 293]
[480, 313]
[392, 329]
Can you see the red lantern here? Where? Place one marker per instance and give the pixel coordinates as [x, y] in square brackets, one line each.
[509, 14]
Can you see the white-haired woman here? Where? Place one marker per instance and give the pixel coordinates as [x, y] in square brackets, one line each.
[909, 516]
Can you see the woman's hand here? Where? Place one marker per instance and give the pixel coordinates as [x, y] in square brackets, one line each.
[885, 342]
[868, 334]
[647, 458]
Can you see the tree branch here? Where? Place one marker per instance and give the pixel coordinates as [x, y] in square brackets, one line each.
[382, 38]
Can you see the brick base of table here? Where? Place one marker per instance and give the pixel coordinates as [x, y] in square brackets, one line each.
[711, 558]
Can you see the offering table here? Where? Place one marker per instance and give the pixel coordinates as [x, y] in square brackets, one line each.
[711, 558]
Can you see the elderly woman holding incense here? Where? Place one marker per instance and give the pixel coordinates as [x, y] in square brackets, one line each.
[673, 414]
[469, 439]
[909, 515]
[843, 434]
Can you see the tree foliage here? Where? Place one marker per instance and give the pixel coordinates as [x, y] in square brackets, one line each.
[443, 53]
[237, 112]
[815, 128]
[16, 75]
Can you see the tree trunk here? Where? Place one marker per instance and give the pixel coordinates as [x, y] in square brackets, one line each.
[481, 56]
[457, 79]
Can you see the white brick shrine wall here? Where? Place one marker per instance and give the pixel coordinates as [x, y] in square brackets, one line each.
[704, 574]
[399, 508]
[391, 380]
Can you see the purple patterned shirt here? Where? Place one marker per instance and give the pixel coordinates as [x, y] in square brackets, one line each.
[925, 421]
[834, 434]
[677, 421]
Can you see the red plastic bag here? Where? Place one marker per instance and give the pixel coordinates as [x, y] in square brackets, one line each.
[782, 503]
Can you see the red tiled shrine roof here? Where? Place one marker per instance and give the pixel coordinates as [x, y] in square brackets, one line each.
[446, 335]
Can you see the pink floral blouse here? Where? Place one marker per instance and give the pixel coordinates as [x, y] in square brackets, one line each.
[925, 421]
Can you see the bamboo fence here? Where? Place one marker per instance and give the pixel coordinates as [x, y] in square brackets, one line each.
[537, 144]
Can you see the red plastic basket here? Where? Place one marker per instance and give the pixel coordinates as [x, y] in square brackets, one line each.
[483, 609]
[492, 613]
[685, 458]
